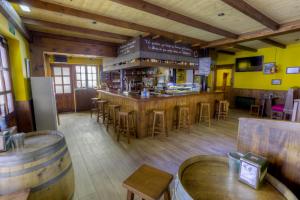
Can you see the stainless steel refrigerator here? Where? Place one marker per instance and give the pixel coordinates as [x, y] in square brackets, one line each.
[44, 103]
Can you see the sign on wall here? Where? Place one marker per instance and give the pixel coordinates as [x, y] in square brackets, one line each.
[204, 66]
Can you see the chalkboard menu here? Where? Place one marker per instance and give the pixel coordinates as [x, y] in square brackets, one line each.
[130, 47]
[157, 46]
[204, 66]
[163, 46]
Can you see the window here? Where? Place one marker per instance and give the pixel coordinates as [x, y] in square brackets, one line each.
[86, 76]
[6, 96]
[62, 80]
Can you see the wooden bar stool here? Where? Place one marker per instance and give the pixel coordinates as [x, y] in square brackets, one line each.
[254, 110]
[112, 112]
[94, 108]
[204, 113]
[184, 117]
[222, 109]
[101, 106]
[159, 123]
[148, 183]
[126, 124]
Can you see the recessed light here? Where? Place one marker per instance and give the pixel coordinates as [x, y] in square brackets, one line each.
[25, 8]
[221, 14]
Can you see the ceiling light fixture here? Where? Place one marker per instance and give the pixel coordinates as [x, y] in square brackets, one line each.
[25, 8]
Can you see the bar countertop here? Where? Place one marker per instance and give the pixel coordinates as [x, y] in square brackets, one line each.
[137, 97]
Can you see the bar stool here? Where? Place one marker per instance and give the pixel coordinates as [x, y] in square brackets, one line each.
[254, 110]
[101, 106]
[149, 121]
[126, 124]
[159, 123]
[222, 109]
[148, 183]
[184, 117]
[204, 113]
[112, 111]
[94, 105]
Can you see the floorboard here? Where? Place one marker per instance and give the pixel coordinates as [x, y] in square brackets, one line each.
[101, 164]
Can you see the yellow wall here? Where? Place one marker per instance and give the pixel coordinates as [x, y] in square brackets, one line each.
[18, 51]
[258, 80]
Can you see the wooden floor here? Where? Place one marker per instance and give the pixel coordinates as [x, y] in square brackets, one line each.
[101, 164]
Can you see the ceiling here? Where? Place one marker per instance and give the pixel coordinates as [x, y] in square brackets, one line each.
[207, 11]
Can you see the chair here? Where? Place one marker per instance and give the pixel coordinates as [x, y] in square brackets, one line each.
[222, 109]
[258, 109]
[281, 111]
[159, 123]
[204, 113]
[148, 183]
[126, 124]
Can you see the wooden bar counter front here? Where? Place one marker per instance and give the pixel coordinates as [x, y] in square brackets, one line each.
[144, 106]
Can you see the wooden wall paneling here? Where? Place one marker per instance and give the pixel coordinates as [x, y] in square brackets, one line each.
[279, 142]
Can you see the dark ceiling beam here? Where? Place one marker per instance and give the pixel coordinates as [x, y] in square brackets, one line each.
[244, 48]
[72, 38]
[107, 20]
[273, 43]
[285, 28]
[8, 11]
[252, 12]
[226, 52]
[165, 13]
[47, 24]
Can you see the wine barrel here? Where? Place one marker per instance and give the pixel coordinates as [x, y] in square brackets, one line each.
[44, 166]
[210, 177]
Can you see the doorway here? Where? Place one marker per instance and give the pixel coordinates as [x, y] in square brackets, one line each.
[223, 80]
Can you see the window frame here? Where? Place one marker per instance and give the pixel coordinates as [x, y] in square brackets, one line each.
[62, 84]
[86, 76]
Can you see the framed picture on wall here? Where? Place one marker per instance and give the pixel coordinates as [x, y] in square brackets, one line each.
[276, 82]
[293, 70]
[269, 68]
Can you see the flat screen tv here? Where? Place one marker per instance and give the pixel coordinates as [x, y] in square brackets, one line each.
[249, 64]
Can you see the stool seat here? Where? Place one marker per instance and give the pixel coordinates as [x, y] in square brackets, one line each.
[149, 183]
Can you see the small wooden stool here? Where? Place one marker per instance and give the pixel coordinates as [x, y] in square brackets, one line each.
[255, 110]
[124, 126]
[204, 116]
[94, 105]
[222, 109]
[159, 123]
[112, 111]
[101, 105]
[149, 183]
[184, 117]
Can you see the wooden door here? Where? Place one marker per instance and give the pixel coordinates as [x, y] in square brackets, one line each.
[225, 75]
[63, 86]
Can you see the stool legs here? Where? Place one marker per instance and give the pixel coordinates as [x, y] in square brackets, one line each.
[159, 123]
[167, 195]
[130, 195]
[202, 115]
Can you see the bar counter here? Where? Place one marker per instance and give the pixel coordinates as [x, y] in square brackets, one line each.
[144, 106]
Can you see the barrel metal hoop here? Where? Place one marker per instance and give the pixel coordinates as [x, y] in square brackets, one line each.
[34, 168]
[12, 160]
[51, 181]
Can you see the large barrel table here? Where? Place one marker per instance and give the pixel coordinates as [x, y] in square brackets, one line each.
[209, 177]
[44, 166]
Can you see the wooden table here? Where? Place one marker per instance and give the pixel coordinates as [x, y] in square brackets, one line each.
[148, 183]
[209, 177]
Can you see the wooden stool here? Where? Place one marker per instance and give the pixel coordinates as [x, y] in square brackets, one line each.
[222, 109]
[184, 117]
[101, 105]
[112, 115]
[124, 126]
[148, 183]
[202, 115]
[255, 110]
[94, 105]
[149, 121]
[159, 123]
